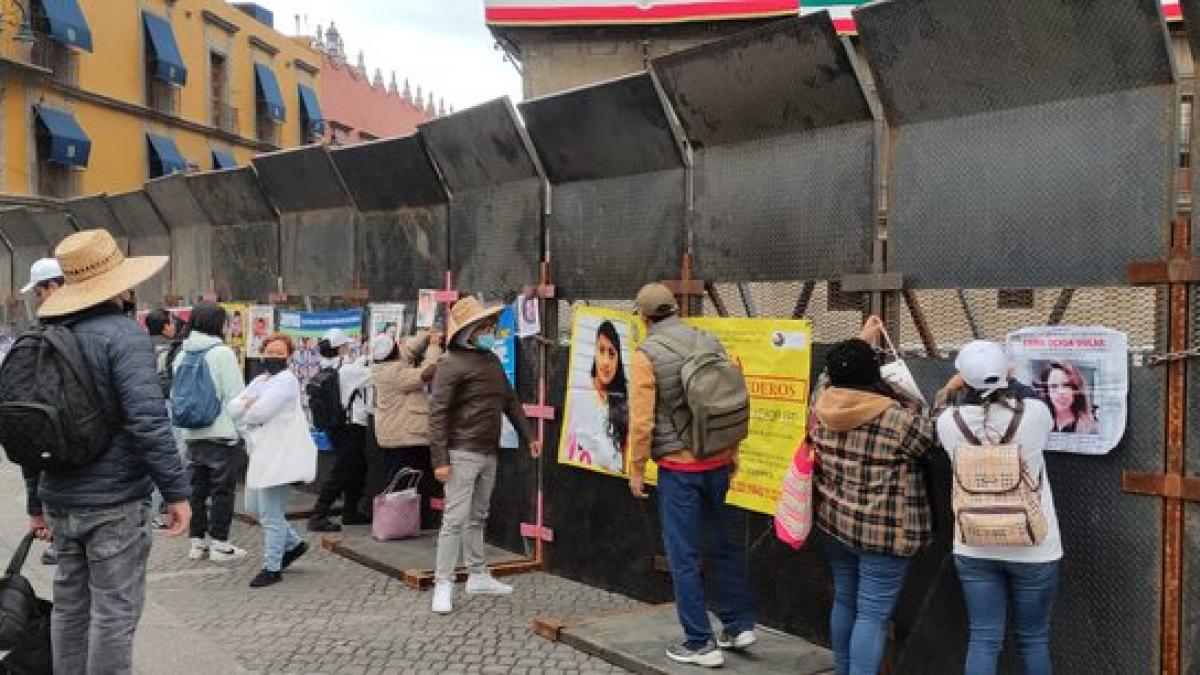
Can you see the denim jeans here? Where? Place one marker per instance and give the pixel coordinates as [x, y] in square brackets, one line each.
[695, 518]
[269, 506]
[99, 586]
[468, 502]
[988, 586]
[866, 588]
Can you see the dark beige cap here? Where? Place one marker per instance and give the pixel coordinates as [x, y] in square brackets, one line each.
[655, 301]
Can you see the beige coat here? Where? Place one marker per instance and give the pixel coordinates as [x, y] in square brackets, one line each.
[401, 401]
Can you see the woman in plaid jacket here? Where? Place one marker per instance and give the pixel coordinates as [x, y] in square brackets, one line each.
[872, 502]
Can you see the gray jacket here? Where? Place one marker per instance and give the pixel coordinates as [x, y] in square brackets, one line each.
[143, 452]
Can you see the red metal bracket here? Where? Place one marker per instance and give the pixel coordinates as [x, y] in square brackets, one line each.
[209, 297]
[541, 532]
[359, 294]
[1161, 485]
[279, 298]
[543, 291]
[539, 411]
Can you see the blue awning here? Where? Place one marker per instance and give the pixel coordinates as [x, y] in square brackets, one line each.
[69, 145]
[165, 158]
[310, 107]
[68, 25]
[223, 159]
[268, 92]
[160, 39]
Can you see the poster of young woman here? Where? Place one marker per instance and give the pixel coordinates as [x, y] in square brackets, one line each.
[262, 325]
[237, 319]
[776, 358]
[386, 318]
[1082, 375]
[596, 420]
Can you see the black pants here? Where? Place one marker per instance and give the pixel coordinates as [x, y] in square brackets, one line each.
[349, 472]
[387, 461]
[214, 476]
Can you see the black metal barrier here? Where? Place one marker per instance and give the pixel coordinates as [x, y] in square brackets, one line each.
[618, 199]
[147, 236]
[95, 213]
[316, 220]
[495, 210]
[999, 115]
[190, 236]
[245, 233]
[25, 245]
[402, 239]
[784, 153]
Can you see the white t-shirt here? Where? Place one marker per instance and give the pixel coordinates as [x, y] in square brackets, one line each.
[589, 422]
[354, 377]
[1033, 435]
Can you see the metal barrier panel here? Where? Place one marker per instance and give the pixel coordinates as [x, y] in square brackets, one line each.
[190, 235]
[54, 225]
[245, 233]
[25, 244]
[318, 251]
[495, 209]
[95, 213]
[402, 251]
[997, 109]
[618, 204]
[784, 158]
[301, 179]
[391, 174]
[147, 236]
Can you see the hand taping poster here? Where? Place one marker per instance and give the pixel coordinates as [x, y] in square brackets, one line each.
[775, 354]
[1082, 375]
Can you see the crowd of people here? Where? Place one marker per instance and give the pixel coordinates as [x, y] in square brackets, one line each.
[179, 409]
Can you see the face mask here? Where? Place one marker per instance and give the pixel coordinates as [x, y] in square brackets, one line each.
[486, 342]
[274, 366]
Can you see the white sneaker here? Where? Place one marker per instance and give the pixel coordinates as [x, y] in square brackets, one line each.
[223, 551]
[483, 583]
[742, 640]
[443, 597]
[199, 550]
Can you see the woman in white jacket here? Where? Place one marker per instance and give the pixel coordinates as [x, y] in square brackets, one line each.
[281, 452]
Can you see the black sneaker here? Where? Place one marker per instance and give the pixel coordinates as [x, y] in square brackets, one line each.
[707, 655]
[291, 556]
[355, 519]
[266, 578]
[49, 557]
[323, 524]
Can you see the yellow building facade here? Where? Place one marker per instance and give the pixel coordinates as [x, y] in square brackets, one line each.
[99, 96]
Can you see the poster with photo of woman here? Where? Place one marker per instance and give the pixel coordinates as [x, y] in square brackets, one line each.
[596, 421]
[262, 325]
[1082, 375]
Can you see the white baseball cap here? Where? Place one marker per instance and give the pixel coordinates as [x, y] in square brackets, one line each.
[382, 346]
[983, 366]
[336, 337]
[43, 270]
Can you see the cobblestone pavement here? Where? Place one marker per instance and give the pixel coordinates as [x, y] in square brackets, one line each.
[331, 615]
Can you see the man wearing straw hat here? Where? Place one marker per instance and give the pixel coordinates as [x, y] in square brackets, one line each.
[100, 513]
[470, 392]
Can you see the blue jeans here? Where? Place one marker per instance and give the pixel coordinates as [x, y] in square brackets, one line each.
[694, 515]
[866, 588]
[99, 586]
[268, 505]
[988, 585]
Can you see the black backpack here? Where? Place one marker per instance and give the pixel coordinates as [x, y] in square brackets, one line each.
[325, 400]
[24, 620]
[50, 413]
[165, 364]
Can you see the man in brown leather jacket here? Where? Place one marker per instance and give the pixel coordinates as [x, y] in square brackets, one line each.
[470, 392]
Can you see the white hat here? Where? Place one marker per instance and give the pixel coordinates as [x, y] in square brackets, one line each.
[382, 346]
[983, 366]
[43, 270]
[336, 337]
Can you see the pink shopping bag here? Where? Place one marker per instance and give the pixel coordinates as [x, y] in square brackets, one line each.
[397, 512]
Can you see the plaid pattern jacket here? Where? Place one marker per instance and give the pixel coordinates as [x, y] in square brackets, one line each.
[870, 486]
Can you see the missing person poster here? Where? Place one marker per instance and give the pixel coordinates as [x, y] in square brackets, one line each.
[262, 325]
[386, 318]
[306, 328]
[529, 318]
[595, 426]
[1082, 375]
[427, 308]
[506, 351]
[237, 319]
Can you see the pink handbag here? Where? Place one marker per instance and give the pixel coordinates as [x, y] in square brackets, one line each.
[396, 513]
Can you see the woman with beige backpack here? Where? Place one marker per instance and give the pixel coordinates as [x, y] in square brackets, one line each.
[1006, 539]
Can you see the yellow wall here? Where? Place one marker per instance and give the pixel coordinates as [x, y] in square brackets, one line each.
[115, 69]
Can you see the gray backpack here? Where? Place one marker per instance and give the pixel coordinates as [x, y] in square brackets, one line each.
[715, 414]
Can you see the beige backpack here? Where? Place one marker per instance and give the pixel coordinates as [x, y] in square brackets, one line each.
[996, 502]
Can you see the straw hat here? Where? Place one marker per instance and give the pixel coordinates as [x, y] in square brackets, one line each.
[96, 271]
[468, 312]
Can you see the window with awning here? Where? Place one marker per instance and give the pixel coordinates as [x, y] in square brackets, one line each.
[310, 109]
[223, 159]
[65, 143]
[165, 158]
[269, 97]
[65, 22]
[163, 51]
